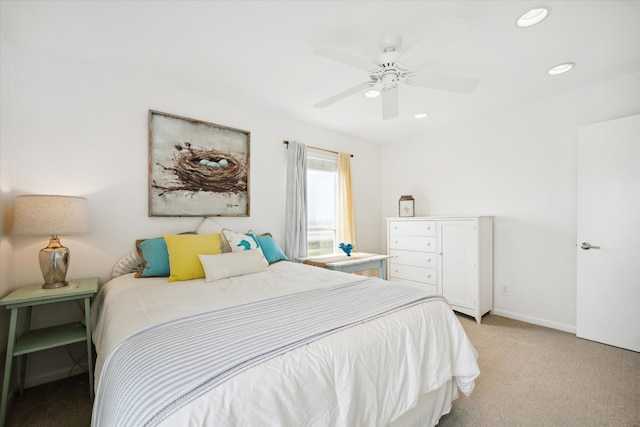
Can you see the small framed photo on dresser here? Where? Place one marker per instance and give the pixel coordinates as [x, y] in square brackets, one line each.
[406, 206]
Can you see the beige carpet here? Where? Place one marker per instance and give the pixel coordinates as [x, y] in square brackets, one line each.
[535, 376]
[530, 376]
[63, 403]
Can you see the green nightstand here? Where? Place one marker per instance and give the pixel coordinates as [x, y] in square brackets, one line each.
[54, 336]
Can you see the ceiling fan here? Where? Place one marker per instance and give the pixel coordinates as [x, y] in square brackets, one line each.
[389, 72]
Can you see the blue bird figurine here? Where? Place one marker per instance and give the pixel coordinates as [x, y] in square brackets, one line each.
[347, 248]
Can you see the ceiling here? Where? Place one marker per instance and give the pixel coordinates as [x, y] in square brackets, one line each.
[262, 53]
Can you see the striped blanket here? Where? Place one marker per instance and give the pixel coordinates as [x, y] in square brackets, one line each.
[156, 371]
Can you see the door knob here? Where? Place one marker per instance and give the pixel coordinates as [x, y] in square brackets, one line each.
[586, 246]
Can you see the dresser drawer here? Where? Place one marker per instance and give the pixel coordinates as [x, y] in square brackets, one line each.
[416, 274]
[415, 228]
[432, 289]
[413, 243]
[418, 259]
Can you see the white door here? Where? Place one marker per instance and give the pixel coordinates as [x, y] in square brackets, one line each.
[608, 294]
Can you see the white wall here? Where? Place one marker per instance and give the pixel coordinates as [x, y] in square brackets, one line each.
[7, 270]
[518, 165]
[79, 129]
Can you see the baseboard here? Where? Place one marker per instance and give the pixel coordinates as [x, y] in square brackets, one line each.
[54, 375]
[535, 320]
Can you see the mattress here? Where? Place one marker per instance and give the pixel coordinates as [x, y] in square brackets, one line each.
[401, 368]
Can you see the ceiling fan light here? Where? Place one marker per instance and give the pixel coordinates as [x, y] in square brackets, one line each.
[420, 115]
[532, 17]
[561, 68]
[372, 93]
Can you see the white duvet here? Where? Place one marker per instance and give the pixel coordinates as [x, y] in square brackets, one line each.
[410, 362]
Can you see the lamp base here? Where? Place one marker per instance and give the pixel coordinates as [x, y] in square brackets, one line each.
[54, 260]
[55, 285]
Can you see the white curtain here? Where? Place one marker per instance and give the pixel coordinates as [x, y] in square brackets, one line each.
[295, 219]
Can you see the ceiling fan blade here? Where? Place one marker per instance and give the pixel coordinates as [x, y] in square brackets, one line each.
[448, 32]
[443, 82]
[346, 58]
[389, 103]
[344, 94]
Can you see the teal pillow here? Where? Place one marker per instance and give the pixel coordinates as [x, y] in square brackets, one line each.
[155, 257]
[270, 249]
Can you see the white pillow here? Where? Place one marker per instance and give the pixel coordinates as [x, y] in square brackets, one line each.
[209, 226]
[222, 266]
[239, 242]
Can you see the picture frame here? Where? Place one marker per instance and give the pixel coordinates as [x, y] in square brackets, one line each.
[406, 206]
[197, 168]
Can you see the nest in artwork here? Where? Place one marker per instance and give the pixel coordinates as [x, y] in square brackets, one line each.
[206, 170]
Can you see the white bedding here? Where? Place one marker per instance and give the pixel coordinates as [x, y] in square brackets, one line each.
[369, 375]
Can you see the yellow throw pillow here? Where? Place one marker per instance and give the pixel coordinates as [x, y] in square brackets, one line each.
[183, 254]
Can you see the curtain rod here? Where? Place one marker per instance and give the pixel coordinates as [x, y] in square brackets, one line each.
[317, 148]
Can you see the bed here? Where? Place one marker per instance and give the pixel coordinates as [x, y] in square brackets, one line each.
[286, 345]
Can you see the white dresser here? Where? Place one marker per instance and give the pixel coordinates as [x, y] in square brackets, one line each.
[449, 256]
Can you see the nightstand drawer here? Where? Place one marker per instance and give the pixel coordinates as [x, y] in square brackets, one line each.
[414, 228]
[413, 243]
[416, 274]
[418, 259]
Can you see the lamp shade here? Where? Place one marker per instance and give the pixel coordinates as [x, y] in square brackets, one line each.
[51, 215]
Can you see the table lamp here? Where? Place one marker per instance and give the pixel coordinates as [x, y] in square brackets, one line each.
[52, 215]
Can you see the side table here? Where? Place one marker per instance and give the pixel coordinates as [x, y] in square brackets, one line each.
[358, 261]
[50, 337]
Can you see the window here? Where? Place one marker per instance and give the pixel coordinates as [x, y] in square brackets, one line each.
[322, 191]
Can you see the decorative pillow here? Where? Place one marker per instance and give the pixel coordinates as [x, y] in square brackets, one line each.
[270, 249]
[130, 263]
[233, 264]
[209, 226]
[155, 257]
[183, 254]
[239, 241]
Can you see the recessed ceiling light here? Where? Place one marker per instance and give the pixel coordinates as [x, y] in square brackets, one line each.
[533, 17]
[420, 115]
[373, 93]
[561, 68]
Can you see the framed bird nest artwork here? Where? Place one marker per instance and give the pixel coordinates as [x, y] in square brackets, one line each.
[197, 168]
